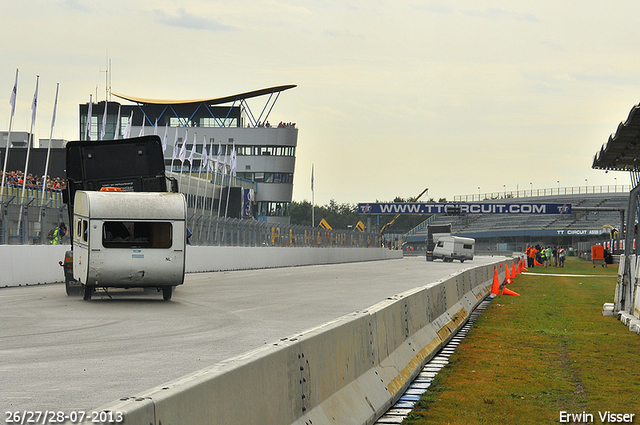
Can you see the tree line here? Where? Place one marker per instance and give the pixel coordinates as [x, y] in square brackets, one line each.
[344, 216]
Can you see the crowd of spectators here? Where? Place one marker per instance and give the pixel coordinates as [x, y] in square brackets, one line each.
[266, 124]
[16, 178]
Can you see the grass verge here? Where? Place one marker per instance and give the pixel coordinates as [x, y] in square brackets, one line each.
[528, 358]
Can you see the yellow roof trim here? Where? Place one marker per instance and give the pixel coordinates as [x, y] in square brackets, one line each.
[210, 101]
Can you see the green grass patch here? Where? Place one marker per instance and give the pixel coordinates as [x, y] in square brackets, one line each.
[528, 358]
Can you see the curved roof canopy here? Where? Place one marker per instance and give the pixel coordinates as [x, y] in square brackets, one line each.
[208, 101]
[622, 150]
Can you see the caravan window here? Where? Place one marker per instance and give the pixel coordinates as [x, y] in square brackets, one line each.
[467, 246]
[440, 244]
[136, 234]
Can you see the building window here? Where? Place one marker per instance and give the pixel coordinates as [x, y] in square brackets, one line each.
[273, 209]
[243, 150]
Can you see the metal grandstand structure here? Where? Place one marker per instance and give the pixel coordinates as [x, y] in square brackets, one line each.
[622, 153]
[595, 218]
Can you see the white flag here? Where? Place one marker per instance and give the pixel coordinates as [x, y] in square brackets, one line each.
[209, 165]
[155, 128]
[144, 118]
[34, 104]
[89, 117]
[234, 160]
[116, 135]
[193, 150]
[224, 162]
[164, 139]
[183, 149]
[14, 93]
[127, 129]
[104, 121]
[205, 155]
[175, 147]
[55, 108]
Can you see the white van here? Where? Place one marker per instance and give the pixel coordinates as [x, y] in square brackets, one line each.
[129, 240]
[450, 248]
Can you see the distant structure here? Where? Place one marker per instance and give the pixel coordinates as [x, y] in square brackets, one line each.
[265, 151]
[622, 153]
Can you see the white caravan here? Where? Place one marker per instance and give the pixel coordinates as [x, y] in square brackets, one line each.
[450, 248]
[129, 240]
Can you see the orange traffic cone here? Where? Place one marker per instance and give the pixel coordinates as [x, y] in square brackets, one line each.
[518, 269]
[513, 270]
[507, 291]
[495, 289]
[507, 275]
[524, 266]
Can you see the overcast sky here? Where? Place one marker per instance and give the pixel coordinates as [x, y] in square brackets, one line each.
[393, 96]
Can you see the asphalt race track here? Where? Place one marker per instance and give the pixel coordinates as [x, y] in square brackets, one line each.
[65, 354]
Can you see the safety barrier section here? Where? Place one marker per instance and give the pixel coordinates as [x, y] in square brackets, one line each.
[31, 264]
[18, 260]
[348, 371]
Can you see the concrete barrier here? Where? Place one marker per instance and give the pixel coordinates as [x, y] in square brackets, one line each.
[31, 264]
[348, 371]
[38, 264]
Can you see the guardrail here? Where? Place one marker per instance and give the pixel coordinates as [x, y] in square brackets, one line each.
[350, 370]
[555, 191]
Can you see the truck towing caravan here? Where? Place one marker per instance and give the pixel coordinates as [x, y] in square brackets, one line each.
[450, 248]
[128, 231]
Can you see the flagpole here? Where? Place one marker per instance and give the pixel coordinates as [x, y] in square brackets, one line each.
[313, 200]
[164, 139]
[204, 147]
[46, 165]
[190, 159]
[224, 172]
[175, 151]
[12, 101]
[34, 107]
[204, 198]
[103, 130]
[215, 179]
[232, 173]
[89, 112]
[183, 154]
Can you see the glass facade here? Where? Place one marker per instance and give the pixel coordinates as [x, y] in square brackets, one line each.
[273, 209]
[267, 177]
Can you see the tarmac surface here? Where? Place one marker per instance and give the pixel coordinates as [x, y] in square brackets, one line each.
[65, 354]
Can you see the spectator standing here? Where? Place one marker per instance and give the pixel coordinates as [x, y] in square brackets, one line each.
[59, 234]
[561, 256]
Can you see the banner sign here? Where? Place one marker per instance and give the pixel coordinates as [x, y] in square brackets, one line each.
[463, 208]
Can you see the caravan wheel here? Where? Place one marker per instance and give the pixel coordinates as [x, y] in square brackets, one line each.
[167, 292]
[88, 290]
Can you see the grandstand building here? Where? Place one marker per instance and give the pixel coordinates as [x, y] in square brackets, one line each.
[265, 152]
[595, 218]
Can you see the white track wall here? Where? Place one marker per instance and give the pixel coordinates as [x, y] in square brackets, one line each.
[38, 264]
[348, 371]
